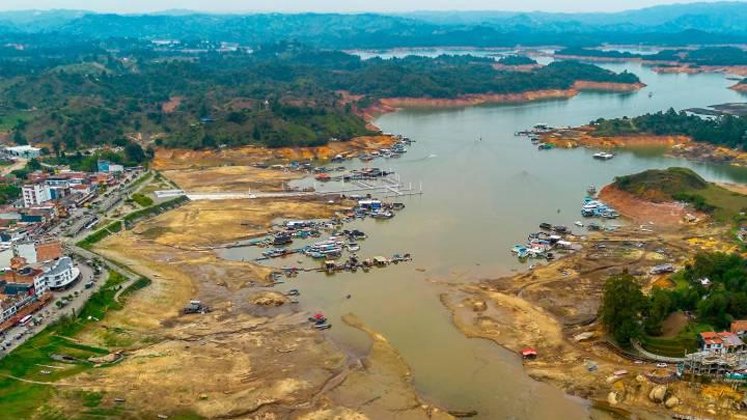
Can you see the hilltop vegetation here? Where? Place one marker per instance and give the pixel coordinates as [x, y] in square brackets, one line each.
[674, 24]
[706, 56]
[727, 130]
[516, 60]
[682, 184]
[279, 95]
[661, 184]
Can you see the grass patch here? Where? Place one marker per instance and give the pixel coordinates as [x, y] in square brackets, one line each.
[21, 399]
[679, 280]
[100, 234]
[155, 210]
[142, 200]
[685, 341]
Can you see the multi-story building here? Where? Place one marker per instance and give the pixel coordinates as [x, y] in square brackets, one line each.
[58, 275]
[35, 194]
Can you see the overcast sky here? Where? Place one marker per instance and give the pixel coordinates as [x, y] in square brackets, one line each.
[138, 6]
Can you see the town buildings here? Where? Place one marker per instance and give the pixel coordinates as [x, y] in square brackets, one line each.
[721, 342]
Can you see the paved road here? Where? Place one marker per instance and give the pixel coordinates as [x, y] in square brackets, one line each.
[50, 313]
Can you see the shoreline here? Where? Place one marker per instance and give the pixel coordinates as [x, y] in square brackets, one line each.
[659, 66]
[553, 309]
[550, 330]
[393, 104]
[679, 146]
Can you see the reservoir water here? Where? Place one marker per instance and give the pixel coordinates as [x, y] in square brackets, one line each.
[484, 190]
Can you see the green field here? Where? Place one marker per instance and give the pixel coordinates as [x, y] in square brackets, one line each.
[685, 341]
[32, 361]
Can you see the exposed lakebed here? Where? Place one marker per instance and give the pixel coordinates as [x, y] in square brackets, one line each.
[484, 191]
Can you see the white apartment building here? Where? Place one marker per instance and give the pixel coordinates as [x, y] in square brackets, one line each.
[35, 194]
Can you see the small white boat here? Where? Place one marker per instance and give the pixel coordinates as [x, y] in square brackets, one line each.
[579, 223]
[603, 155]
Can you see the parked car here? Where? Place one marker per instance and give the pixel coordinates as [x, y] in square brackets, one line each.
[661, 365]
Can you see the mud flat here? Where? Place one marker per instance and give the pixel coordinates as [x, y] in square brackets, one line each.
[242, 360]
[166, 159]
[680, 68]
[231, 178]
[740, 87]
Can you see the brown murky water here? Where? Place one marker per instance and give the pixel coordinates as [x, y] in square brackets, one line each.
[484, 191]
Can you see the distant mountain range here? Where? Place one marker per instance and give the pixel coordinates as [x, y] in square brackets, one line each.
[706, 23]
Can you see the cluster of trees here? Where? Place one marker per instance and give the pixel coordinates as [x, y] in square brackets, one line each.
[627, 313]
[516, 60]
[727, 130]
[9, 193]
[282, 94]
[706, 56]
[452, 76]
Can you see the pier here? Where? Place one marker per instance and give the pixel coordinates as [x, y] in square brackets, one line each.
[387, 187]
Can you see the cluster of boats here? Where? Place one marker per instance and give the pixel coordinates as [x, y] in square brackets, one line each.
[354, 175]
[535, 136]
[595, 208]
[330, 249]
[376, 209]
[397, 150]
[542, 243]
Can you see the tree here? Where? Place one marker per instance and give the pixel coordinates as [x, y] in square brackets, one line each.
[622, 308]
[33, 164]
[134, 153]
[659, 308]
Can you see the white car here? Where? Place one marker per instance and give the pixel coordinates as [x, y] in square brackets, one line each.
[661, 365]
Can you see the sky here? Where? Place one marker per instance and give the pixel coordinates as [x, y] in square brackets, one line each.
[143, 6]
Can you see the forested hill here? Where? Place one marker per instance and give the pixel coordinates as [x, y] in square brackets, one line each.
[283, 94]
[705, 56]
[727, 130]
[711, 23]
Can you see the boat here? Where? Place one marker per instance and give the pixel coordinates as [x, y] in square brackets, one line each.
[545, 226]
[545, 146]
[603, 156]
[591, 190]
[560, 229]
[382, 214]
[594, 226]
[518, 249]
[579, 223]
[353, 247]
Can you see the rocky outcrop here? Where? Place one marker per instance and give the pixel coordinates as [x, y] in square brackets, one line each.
[269, 299]
[657, 394]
